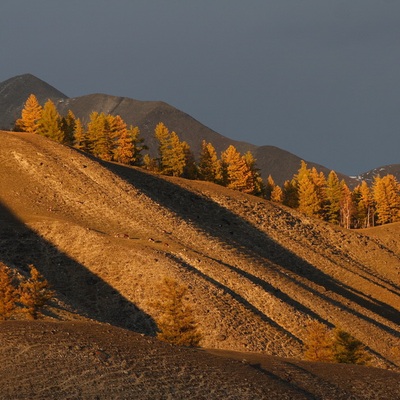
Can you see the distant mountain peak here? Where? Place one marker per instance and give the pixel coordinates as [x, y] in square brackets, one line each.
[15, 91]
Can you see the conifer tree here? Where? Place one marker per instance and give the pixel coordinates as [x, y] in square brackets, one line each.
[31, 114]
[386, 195]
[346, 206]
[68, 125]
[235, 171]
[269, 187]
[49, 125]
[35, 293]
[290, 194]
[333, 197]
[99, 136]
[175, 321]
[123, 150]
[8, 293]
[309, 201]
[190, 170]
[259, 187]
[318, 344]
[209, 166]
[277, 194]
[364, 207]
[80, 137]
[172, 152]
[347, 349]
[138, 145]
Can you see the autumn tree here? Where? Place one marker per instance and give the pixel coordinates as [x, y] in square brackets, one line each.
[190, 170]
[8, 293]
[269, 187]
[333, 196]
[138, 145]
[290, 194]
[209, 166]
[123, 149]
[172, 151]
[347, 349]
[80, 140]
[31, 114]
[386, 195]
[49, 125]
[318, 342]
[176, 322]
[68, 125]
[364, 206]
[100, 142]
[35, 293]
[258, 184]
[309, 201]
[236, 174]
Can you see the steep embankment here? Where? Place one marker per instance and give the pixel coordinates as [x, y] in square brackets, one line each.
[105, 235]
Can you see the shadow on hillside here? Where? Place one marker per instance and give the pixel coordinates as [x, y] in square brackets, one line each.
[82, 291]
[237, 233]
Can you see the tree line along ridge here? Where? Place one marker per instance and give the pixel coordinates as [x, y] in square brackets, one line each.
[109, 138]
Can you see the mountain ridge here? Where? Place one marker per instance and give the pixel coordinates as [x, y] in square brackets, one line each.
[279, 163]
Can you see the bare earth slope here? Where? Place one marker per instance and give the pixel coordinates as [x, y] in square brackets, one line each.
[93, 361]
[105, 235]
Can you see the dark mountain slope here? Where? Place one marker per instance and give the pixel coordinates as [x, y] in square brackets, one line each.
[15, 91]
[105, 235]
[146, 115]
[281, 164]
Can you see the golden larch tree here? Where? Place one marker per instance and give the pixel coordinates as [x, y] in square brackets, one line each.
[30, 115]
[49, 125]
[175, 319]
[8, 293]
[35, 293]
[235, 171]
[209, 166]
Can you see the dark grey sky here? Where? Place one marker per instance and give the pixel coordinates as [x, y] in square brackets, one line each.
[319, 78]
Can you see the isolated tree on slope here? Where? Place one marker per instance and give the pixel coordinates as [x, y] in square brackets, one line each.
[318, 342]
[35, 293]
[31, 113]
[49, 125]
[347, 349]
[176, 321]
[8, 293]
